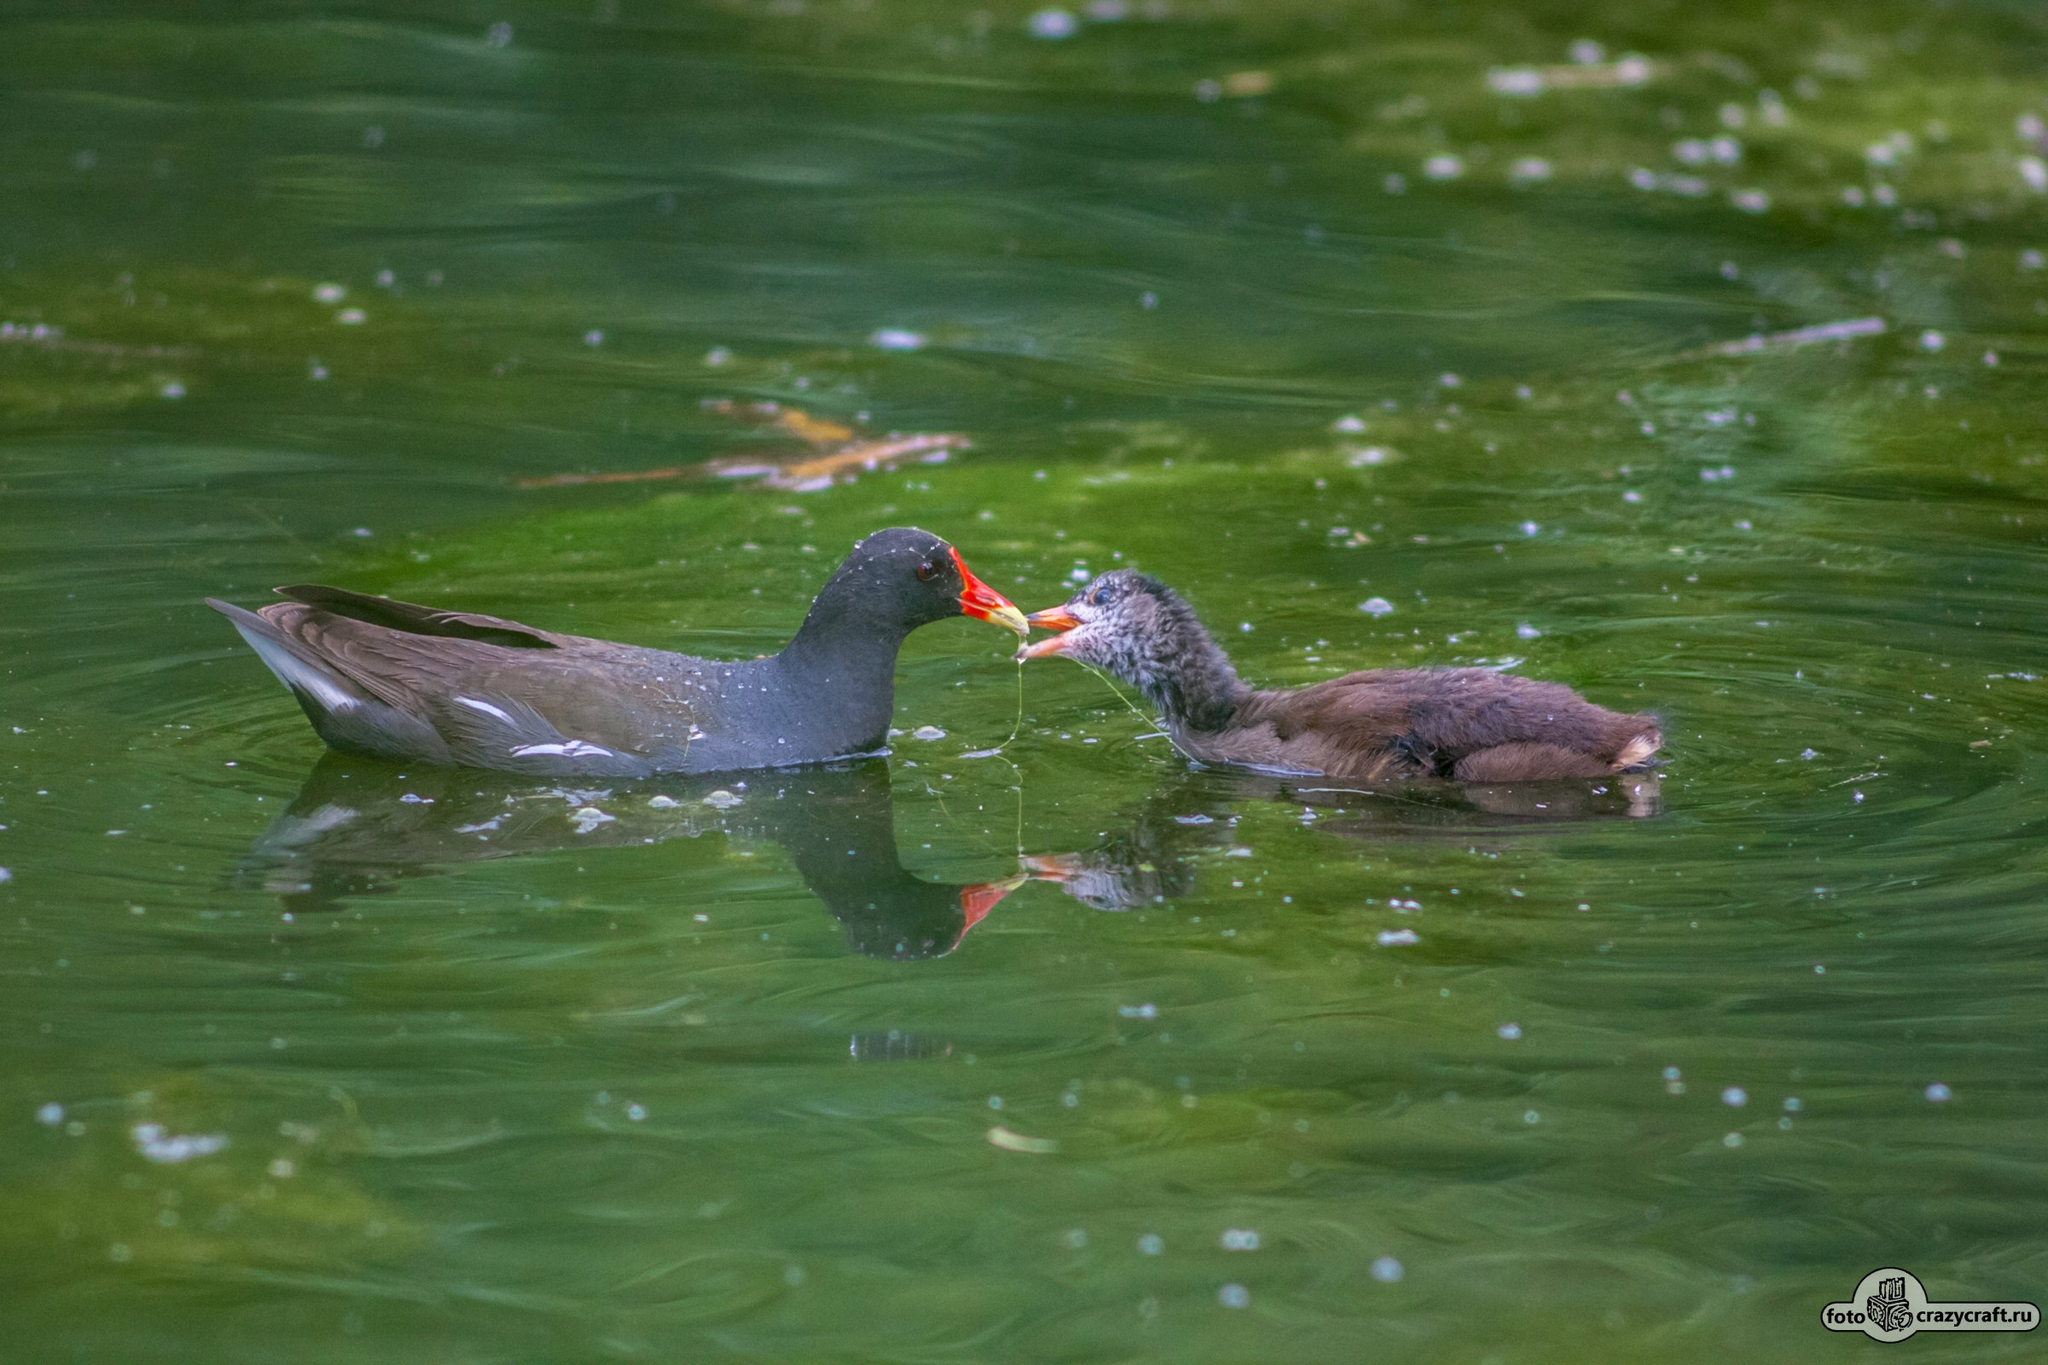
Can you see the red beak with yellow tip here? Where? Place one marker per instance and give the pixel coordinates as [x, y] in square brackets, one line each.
[979, 600]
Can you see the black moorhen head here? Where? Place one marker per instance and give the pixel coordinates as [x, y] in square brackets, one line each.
[397, 680]
[1473, 724]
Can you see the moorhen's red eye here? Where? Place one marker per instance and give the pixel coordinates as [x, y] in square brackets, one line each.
[927, 571]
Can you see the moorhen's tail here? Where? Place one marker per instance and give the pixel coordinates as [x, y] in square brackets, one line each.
[344, 712]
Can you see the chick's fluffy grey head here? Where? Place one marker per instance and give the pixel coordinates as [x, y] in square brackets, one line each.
[1137, 629]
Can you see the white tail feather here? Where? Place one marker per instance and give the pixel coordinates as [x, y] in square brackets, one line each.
[296, 673]
[1635, 753]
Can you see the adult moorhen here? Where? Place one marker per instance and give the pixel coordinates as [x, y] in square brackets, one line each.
[1472, 724]
[400, 681]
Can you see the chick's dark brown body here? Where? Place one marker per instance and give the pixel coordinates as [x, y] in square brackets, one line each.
[1472, 724]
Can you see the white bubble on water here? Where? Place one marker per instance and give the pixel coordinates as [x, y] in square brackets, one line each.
[1376, 606]
[1511, 1032]
[329, 293]
[1939, 1093]
[1443, 166]
[168, 1149]
[1931, 340]
[927, 732]
[500, 35]
[1240, 1239]
[1527, 631]
[1151, 1244]
[1735, 1096]
[1398, 938]
[637, 1113]
[1387, 1270]
[50, 1115]
[1234, 1296]
[1053, 24]
[896, 339]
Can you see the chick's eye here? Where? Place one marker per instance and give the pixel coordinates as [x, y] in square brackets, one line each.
[927, 571]
[1102, 596]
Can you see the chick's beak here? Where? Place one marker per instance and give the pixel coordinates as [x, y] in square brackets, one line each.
[979, 600]
[1052, 618]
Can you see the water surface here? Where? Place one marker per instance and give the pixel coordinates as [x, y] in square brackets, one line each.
[1692, 356]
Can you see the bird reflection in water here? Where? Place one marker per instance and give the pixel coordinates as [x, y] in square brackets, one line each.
[1157, 856]
[361, 825]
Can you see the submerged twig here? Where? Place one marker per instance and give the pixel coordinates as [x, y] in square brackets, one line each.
[838, 450]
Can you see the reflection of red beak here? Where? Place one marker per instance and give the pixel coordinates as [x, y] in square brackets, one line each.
[1052, 618]
[977, 900]
[979, 600]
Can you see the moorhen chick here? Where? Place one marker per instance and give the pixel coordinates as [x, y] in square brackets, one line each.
[400, 681]
[1472, 724]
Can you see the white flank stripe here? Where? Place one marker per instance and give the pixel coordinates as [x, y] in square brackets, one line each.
[573, 748]
[473, 704]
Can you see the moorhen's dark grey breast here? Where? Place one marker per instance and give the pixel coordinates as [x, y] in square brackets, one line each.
[1473, 724]
[401, 681]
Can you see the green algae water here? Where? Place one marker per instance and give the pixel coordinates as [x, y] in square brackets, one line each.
[1691, 355]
